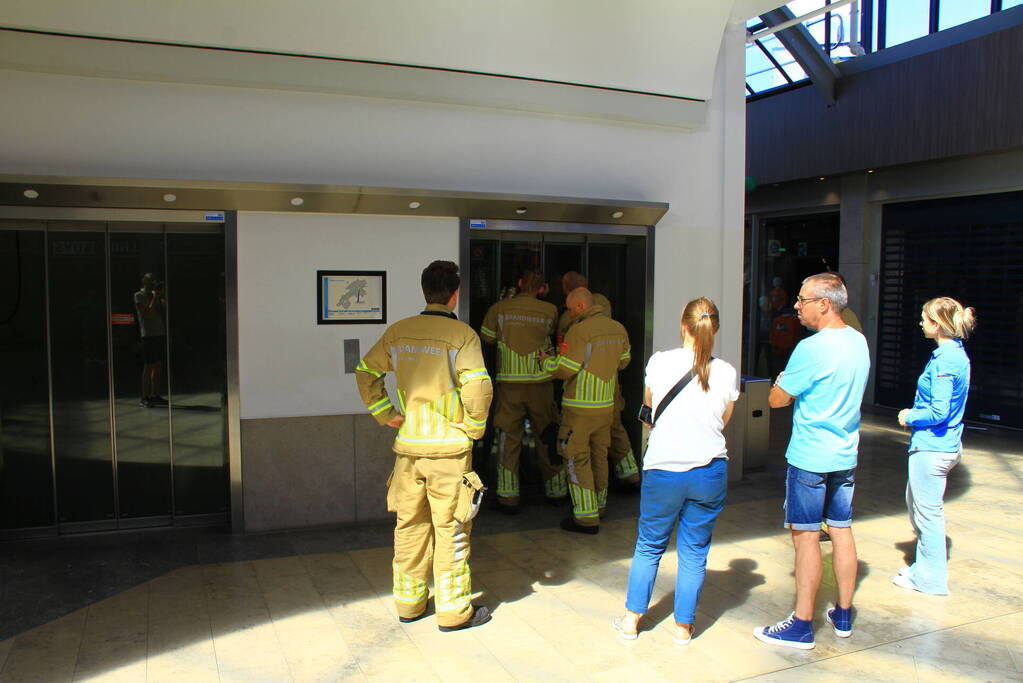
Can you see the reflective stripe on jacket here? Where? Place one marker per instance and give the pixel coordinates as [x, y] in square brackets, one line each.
[444, 390]
[520, 326]
[596, 348]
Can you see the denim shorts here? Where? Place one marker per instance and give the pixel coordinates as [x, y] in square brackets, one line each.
[813, 497]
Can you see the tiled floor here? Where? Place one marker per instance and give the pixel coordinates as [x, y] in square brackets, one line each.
[328, 616]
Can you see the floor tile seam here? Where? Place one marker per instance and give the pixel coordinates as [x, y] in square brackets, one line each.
[78, 650]
[884, 644]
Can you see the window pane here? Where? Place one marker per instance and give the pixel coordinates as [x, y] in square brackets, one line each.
[906, 20]
[1006, 4]
[961, 11]
[760, 73]
[787, 61]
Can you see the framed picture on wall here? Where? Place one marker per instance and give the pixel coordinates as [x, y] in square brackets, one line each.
[351, 297]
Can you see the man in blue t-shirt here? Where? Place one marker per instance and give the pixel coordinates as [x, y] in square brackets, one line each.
[825, 378]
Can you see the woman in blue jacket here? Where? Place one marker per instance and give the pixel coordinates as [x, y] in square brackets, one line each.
[934, 449]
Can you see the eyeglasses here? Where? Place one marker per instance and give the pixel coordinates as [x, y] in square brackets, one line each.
[801, 300]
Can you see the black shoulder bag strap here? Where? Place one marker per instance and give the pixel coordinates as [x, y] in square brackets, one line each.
[668, 397]
[675, 390]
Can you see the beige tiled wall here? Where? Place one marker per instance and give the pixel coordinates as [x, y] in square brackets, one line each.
[314, 471]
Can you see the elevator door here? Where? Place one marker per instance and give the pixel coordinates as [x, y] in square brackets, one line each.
[615, 266]
[86, 443]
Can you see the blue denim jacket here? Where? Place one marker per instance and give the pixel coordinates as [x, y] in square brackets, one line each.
[941, 392]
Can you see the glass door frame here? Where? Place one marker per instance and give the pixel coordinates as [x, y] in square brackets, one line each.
[109, 222]
[470, 229]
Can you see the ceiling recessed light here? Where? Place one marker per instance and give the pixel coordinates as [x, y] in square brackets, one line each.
[31, 194]
[821, 178]
[870, 170]
[170, 197]
[297, 201]
[414, 205]
[521, 210]
[617, 214]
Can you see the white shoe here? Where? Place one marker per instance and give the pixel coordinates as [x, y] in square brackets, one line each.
[617, 622]
[681, 641]
[903, 581]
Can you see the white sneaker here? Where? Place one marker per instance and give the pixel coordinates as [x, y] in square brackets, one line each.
[903, 581]
[617, 622]
[682, 641]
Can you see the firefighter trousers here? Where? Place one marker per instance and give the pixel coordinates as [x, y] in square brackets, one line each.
[516, 401]
[622, 460]
[584, 440]
[425, 491]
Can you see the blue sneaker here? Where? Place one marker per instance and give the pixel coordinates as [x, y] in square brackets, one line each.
[791, 632]
[841, 620]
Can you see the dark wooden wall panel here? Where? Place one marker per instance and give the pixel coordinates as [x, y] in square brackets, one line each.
[961, 100]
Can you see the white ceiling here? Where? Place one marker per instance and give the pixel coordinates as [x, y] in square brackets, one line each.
[660, 46]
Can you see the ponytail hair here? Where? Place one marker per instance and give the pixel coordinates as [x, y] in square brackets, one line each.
[700, 319]
[954, 321]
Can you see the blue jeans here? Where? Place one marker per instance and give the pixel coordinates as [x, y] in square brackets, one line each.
[925, 498]
[694, 500]
[813, 497]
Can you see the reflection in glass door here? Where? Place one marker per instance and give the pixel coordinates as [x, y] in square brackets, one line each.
[138, 326]
[117, 417]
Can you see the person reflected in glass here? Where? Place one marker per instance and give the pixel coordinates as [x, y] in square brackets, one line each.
[685, 473]
[150, 307]
[935, 447]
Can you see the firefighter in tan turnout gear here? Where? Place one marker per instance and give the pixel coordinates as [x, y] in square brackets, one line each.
[620, 454]
[521, 326]
[444, 394]
[595, 349]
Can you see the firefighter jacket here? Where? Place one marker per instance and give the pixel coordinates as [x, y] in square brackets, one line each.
[444, 390]
[521, 326]
[566, 319]
[595, 349]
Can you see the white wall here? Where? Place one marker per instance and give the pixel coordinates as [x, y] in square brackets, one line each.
[63, 125]
[289, 365]
[660, 46]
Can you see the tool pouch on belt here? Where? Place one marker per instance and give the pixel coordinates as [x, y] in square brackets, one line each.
[470, 497]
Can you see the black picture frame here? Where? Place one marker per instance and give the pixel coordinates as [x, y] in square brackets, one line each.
[328, 286]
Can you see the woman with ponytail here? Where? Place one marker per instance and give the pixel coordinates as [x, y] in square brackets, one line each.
[685, 474]
[936, 444]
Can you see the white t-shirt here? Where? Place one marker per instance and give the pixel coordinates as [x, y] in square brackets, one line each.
[688, 432]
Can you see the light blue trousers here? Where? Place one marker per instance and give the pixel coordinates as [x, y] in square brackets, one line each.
[692, 500]
[925, 498]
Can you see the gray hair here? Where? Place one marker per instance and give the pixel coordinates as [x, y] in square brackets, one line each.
[829, 286]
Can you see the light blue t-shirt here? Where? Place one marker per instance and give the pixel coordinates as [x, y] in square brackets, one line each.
[827, 373]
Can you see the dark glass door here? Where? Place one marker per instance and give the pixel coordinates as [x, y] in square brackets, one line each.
[198, 372]
[83, 448]
[26, 469]
[114, 391]
[614, 265]
[141, 413]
